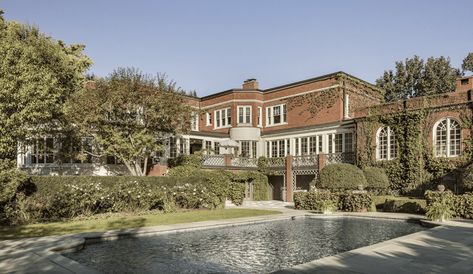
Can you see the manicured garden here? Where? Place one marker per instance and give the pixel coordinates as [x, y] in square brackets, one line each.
[345, 187]
[47, 205]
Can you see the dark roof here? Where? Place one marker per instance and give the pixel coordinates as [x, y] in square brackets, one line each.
[293, 84]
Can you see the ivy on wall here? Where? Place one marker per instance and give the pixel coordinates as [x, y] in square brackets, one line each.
[415, 168]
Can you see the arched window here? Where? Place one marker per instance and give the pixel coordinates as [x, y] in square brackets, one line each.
[386, 144]
[447, 138]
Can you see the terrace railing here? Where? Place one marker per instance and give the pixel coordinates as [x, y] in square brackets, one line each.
[213, 160]
[276, 162]
[345, 157]
[244, 162]
[305, 161]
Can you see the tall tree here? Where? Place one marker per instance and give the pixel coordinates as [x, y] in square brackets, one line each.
[468, 62]
[128, 113]
[37, 75]
[414, 77]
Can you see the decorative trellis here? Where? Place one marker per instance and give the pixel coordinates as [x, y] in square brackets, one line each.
[306, 161]
[213, 160]
[245, 162]
[346, 157]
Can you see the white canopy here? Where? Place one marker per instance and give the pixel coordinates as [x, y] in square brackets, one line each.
[228, 143]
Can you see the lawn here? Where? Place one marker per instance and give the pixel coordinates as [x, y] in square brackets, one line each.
[122, 221]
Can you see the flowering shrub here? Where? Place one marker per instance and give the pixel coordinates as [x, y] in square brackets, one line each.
[64, 197]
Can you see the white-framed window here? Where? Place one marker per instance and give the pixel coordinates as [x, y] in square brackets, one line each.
[208, 119]
[276, 115]
[386, 148]
[260, 116]
[244, 114]
[223, 118]
[278, 148]
[195, 122]
[447, 138]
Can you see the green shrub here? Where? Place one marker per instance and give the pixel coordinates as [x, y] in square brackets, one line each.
[463, 205]
[260, 183]
[237, 193]
[439, 211]
[11, 180]
[389, 203]
[321, 200]
[65, 197]
[341, 177]
[376, 179]
[467, 178]
[440, 205]
[438, 196]
[413, 206]
[354, 201]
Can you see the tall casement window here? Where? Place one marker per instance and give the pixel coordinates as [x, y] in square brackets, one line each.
[245, 148]
[278, 148]
[385, 144]
[276, 115]
[223, 118]
[447, 138]
[248, 149]
[244, 115]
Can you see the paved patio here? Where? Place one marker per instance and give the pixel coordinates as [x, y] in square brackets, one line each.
[444, 249]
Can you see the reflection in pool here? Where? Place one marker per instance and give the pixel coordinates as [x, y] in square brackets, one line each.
[262, 247]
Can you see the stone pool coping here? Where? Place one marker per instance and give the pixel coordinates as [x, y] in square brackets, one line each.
[41, 254]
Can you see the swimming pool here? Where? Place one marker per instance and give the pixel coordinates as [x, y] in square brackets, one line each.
[262, 247]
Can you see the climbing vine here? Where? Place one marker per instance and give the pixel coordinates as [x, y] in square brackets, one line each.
[415, 169]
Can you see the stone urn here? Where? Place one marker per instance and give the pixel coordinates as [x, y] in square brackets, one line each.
[360, 187]
[441, 188]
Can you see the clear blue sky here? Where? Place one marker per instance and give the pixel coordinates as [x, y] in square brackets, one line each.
[213, 45]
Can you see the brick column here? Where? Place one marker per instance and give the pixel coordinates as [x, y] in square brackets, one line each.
[227, 158]
[322, 161]
[289, 192]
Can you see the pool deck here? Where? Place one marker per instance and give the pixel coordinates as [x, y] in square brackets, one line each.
[443, 249]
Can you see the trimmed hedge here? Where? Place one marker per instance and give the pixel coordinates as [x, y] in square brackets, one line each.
[314, 200]
[260, 183]
[344, 201]
[341, 177]
[354, 201]
[376, 178]
[389, 203]
[64, 197]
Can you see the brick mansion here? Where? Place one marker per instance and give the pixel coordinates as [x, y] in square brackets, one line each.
[298, 127]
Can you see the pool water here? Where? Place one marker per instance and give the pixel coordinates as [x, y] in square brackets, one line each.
[256, 248]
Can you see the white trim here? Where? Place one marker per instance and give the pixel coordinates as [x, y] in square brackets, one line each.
[448, 142]
[270, 118]
[388, 144]
[259, 116]
[222, 118]
[208, 119]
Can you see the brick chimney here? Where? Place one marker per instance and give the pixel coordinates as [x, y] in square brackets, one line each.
[250, 84]
[464, 84]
